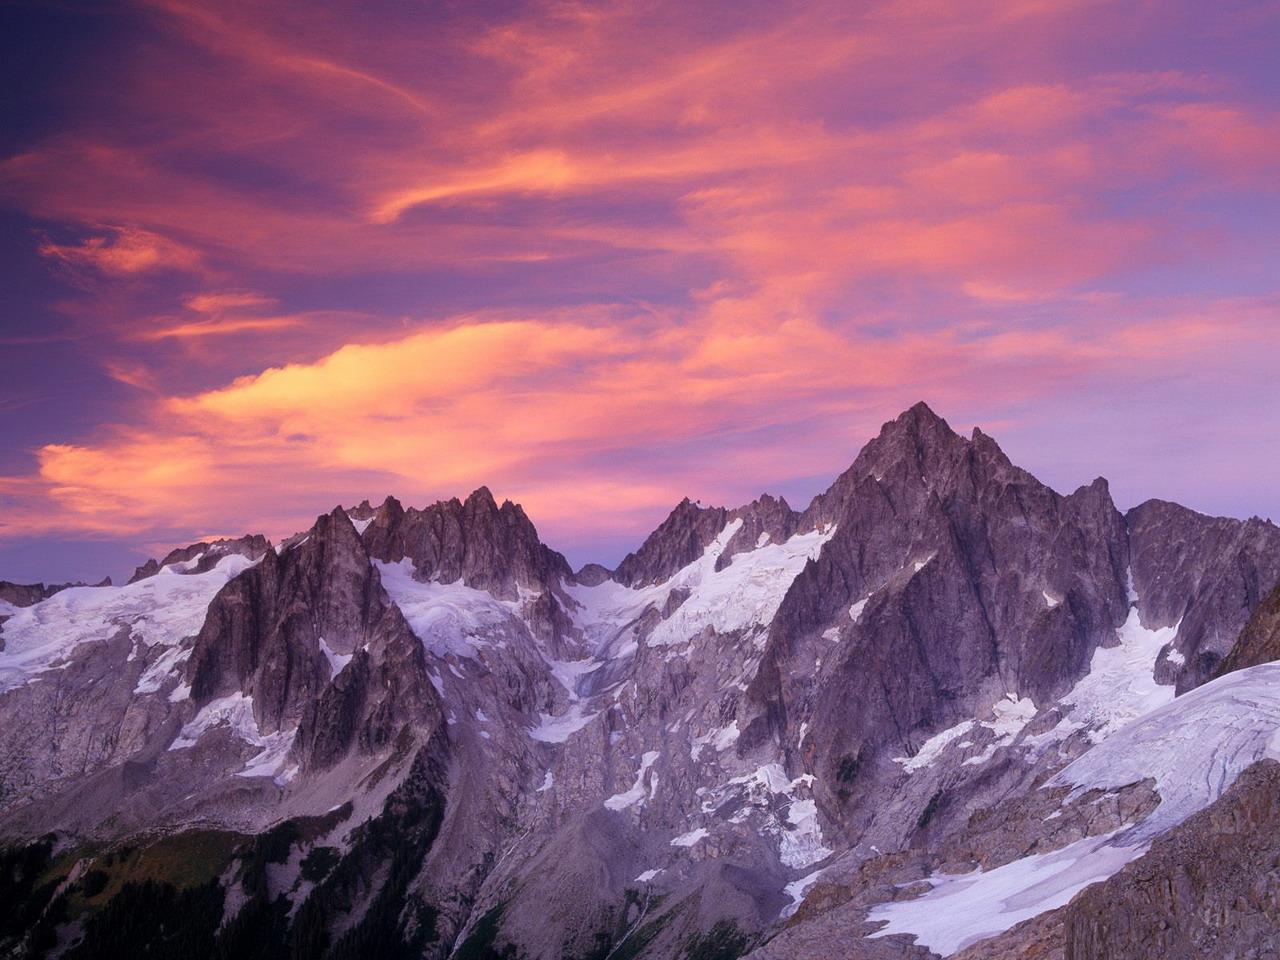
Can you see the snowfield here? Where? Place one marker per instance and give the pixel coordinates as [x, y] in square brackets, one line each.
[964, 908]
[1193, 747]
[164, 609]
[746, 593]
[449, 618]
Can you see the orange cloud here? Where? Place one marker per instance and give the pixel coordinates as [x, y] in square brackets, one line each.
[123, 251]
[562, 413]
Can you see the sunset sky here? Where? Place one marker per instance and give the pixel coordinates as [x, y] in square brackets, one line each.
[261, 258]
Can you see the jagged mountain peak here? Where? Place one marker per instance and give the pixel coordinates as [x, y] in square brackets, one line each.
[756, 702]
[676, 542]
[487, 546]
[481, 497]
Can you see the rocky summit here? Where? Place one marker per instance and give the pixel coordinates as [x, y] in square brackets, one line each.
[943, 711]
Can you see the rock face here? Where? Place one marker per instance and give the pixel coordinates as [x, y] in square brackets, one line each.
[678, 541]
[768, 732]
[953, 579]
[1204, 573]
[310, 637]
[1210, 888]
[1259, 642]
[486, 546]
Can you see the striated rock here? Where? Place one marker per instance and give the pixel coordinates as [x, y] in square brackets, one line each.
[678, 541]
[1259, 642]
[952, 579]
[485, 546]
[1208, 889]
[277, 631]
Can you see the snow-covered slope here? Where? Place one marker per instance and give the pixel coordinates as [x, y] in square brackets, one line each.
[159, 611]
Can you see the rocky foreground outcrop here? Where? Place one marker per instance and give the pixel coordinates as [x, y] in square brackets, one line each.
[1207, 890]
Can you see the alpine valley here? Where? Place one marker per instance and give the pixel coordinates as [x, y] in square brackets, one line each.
[942, 711]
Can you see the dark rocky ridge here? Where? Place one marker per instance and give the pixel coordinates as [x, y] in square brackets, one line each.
[1259, 642]
[486, 546]
[26, 594]
[677, 542]
[953, 548]
[263, 635]
[687, 531]
[1208, 573]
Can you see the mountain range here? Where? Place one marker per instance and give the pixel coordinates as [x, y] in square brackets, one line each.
[943, 710]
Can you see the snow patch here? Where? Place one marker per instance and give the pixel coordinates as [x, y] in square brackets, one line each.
[637, 793]
[962, 909]
[449, 618]
[1120, 685]
[932, 748]
[559, 729]
[796, 890]
[648, 875]
[1010, 714]
[690, 838]
[744, 594]
[337, 661]
[802, 846]
[236, 712]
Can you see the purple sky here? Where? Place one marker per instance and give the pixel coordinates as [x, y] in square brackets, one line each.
[258, 259]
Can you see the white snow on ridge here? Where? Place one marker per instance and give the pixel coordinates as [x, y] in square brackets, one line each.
[1010, 715]
[1194, 748]
[163, 609]
[965, 908]
[1120, 685]
[746, 593]
[559, 729]
[690, 838]
[163, 667]
[802, 845]
[236, 712]
[337, 661]
[932, 748]
[637, 793]
[796, 890]
[449, 618]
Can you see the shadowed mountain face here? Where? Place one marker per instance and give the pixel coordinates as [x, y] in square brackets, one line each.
[416, 732]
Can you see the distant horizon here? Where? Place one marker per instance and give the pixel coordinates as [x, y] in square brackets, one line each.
[625, 544]
[258, 257]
